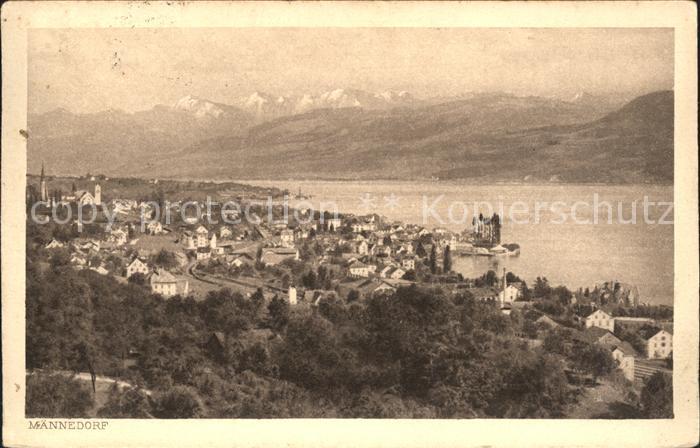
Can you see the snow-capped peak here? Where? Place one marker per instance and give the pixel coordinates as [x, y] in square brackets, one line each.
[256, 100]
[198, 107]
[390, 96]
[339, 98]
[304, 103]
[186, 103]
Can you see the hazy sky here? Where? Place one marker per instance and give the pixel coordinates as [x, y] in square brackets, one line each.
[87, 70]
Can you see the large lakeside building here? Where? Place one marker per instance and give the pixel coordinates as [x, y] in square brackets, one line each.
[487, 230]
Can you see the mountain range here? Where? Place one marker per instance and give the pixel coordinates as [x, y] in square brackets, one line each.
[353, 134]
[263, 106]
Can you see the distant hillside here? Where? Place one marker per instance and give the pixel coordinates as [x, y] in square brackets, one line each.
[631, 145]
[494, 137]
[114, 141]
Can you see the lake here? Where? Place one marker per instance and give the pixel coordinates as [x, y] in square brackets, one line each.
[560, 235]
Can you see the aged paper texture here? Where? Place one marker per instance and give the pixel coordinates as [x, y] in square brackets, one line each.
[349, 224]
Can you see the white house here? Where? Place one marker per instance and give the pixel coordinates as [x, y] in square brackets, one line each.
[118, 237]
[358, 269]
[83, 197]
[408, 264]
[54, 244]
[164, 283]
[362, 248]
[154, 227]
[136, 266]
[203, 253]
[89, 245]
[660, 345]
[408, 247]
[384, 273]
[238, 260]
[202, 235]
[624, 354]
[78, 260]
[600, 319]
[380, 250]
[509, 294]
[301, 233]
[100, 270]
[292, 295]
[356, 227]
[384, 288]
[396, 273]
[225, 232]
[287, 237]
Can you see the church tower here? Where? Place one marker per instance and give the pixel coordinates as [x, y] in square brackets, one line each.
[98, 194]
[292, 293]
[44, 192]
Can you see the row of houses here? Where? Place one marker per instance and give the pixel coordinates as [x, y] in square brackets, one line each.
[633, 364]
[659, 345]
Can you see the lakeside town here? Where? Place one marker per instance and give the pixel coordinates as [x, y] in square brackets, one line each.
[608, 345]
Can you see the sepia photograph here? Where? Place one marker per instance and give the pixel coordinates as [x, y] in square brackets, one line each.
[350, 222]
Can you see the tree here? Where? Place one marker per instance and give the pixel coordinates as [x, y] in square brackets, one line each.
[512, 278]
[488, 279]
[558, 341]
[353, 295]
[563, 294]
[178, 402]
[32, 197]
[593, 359]
[433, 260]
[410, 275]
[530, 329]
[286, 281]
[657, 396]
[631, 336]
[130, 402]
[115, 264]
[311, 355]
[542, 288]
[59, 257]
[279, 313]
[95, 260]
[332, 309]
[56, 396]
[496, 221]
[165, 259]
[137, 278]
[309, 280]
[447, 260]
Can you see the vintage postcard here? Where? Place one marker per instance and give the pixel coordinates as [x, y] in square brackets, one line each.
[349, 224]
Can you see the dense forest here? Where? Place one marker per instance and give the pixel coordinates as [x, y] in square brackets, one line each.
[419, 353]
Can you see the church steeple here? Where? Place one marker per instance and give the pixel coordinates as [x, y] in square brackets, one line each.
[44, 192]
